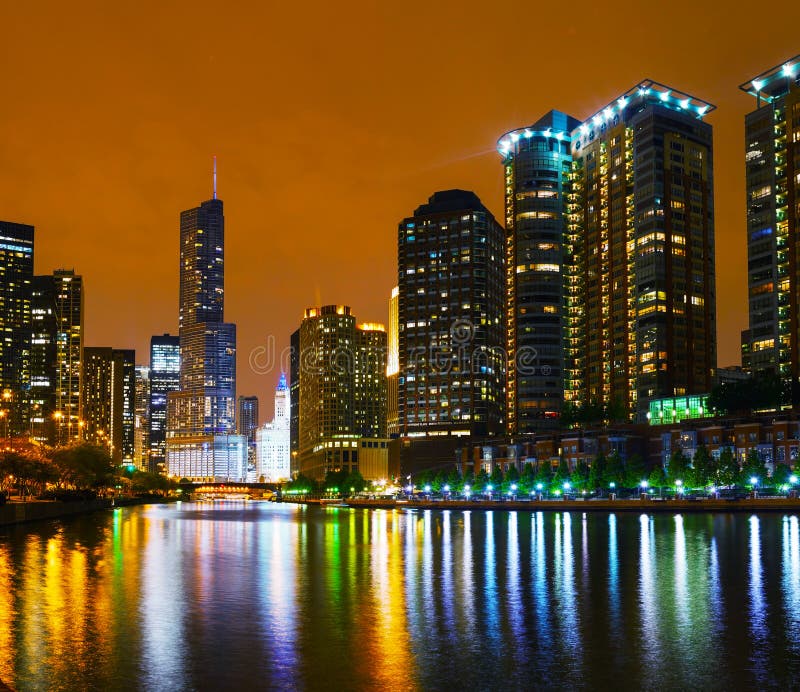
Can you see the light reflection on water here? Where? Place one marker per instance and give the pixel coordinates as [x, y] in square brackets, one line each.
[260, 596]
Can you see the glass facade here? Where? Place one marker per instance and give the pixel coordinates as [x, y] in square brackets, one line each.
[676, 409]
[540, 267]
[16, 276]
[165, 377]
[772, 164]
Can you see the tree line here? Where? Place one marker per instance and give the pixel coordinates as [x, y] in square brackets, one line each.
[78, 471]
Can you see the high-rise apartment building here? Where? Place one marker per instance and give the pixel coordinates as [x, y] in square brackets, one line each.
[294, 401]
[68, 297]
[540, 271]
[165, 377]
[246, 424]
[637, 251]
[43, 371]
[451, 288]
[247, 417]
[16, 276]
[201, 417]
[393, 365]
[141, 419]
[772, 162]
[108, 391]
[342, 394]
[273, 454]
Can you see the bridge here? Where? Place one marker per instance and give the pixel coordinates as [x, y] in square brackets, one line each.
[232, 490]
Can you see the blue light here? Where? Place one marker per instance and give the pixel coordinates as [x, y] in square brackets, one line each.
[664, 96]
[788, 70]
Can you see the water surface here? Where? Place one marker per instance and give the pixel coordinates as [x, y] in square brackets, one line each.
[263, 596]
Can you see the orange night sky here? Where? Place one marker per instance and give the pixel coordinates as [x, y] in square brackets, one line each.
[331, 122]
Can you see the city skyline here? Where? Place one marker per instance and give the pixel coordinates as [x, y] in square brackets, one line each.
[162, 169]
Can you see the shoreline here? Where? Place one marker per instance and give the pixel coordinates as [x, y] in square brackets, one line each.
[15, 513]
[667, 506]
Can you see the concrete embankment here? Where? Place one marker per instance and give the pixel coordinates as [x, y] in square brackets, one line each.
[712, 505]
[35, 510]
[21, 512]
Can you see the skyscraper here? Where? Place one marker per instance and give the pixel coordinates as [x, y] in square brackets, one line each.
[165, 377]
[68, 290]
[642, 216]
[247, 418]
[537, 163]
[201, 416]
[43, 377]
[393, 365]
[637, 255]
[451, 269]
[108, 389]
[16, 275]
[246, 424]
[342, 394]
[141, 420]
[273, 455]
[772, 160]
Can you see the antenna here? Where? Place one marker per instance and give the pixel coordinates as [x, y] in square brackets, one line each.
[215, 177]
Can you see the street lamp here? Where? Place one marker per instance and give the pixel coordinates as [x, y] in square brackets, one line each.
[489, 489]
[466, 491]
[513, 492]
[643, 488]
[679, 486]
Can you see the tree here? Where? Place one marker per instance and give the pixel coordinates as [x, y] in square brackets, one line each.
[511, 478]
[544, 473]
[580, 475]
[678, 468]
[781, 475]
[634, 471]
[754, 467]
[85, 466]
[355, 481]
[614, 471]
[701, 471]
[561, 476]
[728, 468]
[597, 472]
[481, 481]
[657, 479]
[496, 478]
[527, 481]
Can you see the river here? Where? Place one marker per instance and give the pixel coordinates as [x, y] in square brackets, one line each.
[242, 596]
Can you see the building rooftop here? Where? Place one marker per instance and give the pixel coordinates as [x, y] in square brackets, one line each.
[774, 82]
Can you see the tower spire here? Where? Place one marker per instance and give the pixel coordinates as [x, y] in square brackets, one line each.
[215, 177]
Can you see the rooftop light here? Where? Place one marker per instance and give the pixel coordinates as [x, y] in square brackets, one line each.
[685, 103]
[788, 70]
[622, 101]
[528, 134]
[664, 95]
[758, 84]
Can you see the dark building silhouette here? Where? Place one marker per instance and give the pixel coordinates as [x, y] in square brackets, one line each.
[451, 274]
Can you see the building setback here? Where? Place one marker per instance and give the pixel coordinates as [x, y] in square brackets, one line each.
[772, 164]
